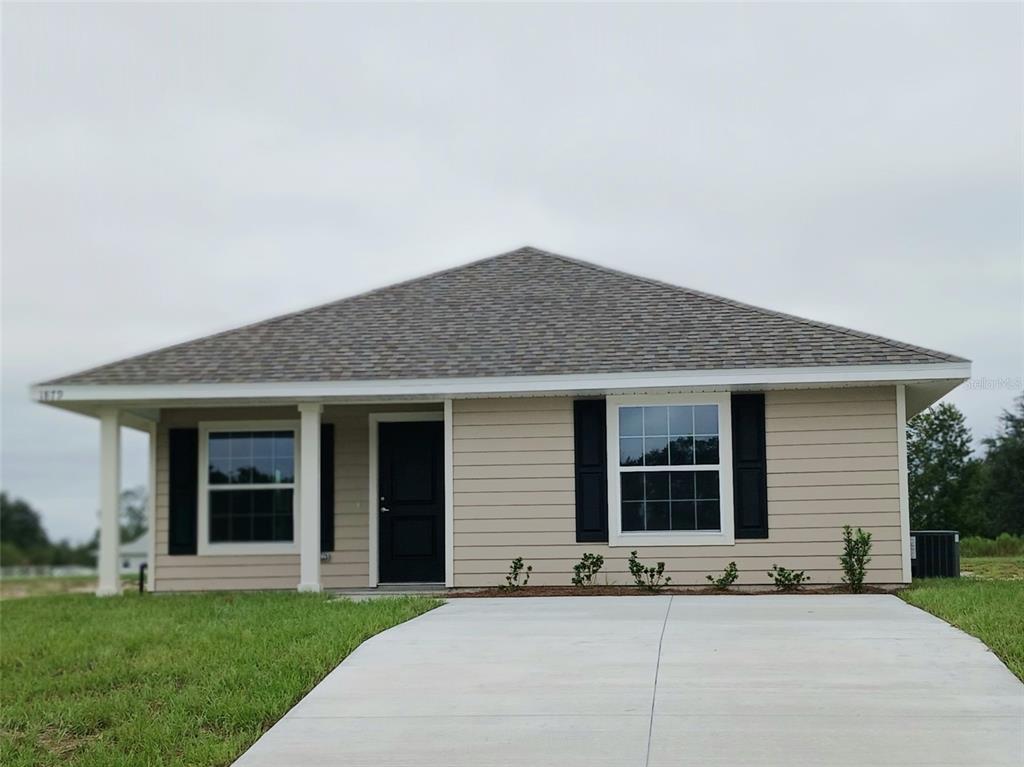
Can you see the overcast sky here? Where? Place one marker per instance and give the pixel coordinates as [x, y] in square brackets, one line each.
[174, 170]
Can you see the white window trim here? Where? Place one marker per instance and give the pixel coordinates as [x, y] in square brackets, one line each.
[723, 537]
[204, 547]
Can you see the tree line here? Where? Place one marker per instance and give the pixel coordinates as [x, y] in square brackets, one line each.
[24, 541]
[953, 489]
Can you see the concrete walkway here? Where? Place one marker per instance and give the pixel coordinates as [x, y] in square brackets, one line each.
[751, 681]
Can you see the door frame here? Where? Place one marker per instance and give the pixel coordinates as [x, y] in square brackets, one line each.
[375, 419]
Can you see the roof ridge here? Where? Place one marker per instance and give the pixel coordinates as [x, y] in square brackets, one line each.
[942, 356]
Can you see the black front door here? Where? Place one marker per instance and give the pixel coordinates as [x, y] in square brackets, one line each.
[411, 502]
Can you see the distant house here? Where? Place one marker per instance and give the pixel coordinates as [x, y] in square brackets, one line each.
[527, 405]
[134, 554]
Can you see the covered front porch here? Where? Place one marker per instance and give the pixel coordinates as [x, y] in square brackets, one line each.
[305, 495]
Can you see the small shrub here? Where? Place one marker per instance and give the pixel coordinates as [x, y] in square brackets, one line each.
[855, 557]
[516, 571]
[650, 578]
[787, 580]
[585, 570]
[1006, 545]
[1009, 545]
[726, 579]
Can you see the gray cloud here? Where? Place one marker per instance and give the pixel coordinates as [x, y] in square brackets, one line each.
[169, 171]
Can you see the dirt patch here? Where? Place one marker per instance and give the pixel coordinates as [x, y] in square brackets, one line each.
[633, 591]
[61, 742]
[19, 588]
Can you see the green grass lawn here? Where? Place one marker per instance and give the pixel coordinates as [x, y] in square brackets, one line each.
[176, 679]
[989, 604]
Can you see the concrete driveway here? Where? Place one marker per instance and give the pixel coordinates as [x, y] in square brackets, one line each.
[734, 681]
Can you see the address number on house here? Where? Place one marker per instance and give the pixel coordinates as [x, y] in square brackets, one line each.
[51, 395]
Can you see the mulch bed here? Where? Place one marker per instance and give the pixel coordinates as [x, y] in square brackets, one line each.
[633, 591]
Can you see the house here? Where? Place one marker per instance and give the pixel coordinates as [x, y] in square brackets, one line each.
[133, 554]
[526, 405]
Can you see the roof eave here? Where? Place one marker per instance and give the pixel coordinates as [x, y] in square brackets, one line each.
[929, 381]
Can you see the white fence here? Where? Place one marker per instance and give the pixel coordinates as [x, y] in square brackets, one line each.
[45, 571]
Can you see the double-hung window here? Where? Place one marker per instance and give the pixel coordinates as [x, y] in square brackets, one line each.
[671, 474]
[248, 487]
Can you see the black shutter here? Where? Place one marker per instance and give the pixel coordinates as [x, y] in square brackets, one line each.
[749, 466]
[591, 471]
[327, 487]
[183, 496]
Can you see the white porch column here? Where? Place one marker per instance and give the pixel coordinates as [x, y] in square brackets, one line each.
[110, 497]
[309, 497]
[153, 430]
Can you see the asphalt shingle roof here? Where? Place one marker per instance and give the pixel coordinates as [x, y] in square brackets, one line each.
[527, 312]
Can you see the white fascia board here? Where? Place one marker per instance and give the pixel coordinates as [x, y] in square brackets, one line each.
[503, 385]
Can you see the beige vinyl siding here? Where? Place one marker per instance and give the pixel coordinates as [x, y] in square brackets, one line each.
[831, 461]
[349, 565]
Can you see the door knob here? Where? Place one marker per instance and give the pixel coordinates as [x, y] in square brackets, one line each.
[384, 508]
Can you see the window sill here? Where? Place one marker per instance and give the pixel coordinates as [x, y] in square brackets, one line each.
[243, 549]
[668, 538]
